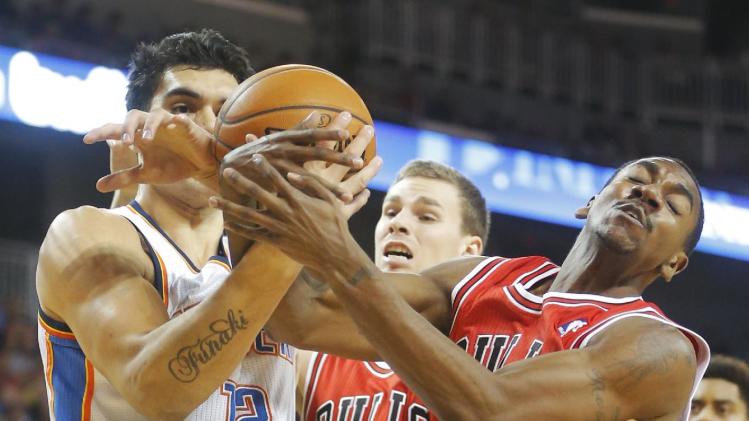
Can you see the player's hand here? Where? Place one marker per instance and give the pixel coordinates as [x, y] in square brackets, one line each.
[122, 157]
[307, 145]
[172, 147]
[310, 149]
[301, 216]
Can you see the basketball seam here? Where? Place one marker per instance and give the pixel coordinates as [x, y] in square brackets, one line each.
[288, 107]
[299, 66]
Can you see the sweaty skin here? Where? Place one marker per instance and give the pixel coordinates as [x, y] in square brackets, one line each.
[95, 276]
[636, 230]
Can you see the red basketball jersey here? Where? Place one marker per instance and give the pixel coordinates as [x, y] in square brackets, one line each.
[350, 390]
[495, 319]
[570, 321]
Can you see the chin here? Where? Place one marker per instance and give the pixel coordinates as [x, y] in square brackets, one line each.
[618, 240]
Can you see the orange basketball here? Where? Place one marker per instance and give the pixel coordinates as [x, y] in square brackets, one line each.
[280, 97]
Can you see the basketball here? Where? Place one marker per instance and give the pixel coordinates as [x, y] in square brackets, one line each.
[279, 98]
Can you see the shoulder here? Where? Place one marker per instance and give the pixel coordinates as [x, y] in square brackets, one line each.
[455, 272]
[448, 274]
[646, 361]
[82, 244]
[88, 227]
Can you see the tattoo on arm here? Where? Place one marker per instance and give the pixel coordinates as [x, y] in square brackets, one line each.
[314, 283]
[185, 366]
[359, 276]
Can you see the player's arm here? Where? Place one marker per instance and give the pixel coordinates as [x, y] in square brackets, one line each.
[636, 369]
[450, 381]
[311, 316]
[92, 275]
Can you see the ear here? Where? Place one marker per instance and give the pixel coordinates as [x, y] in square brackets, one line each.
[674, 266]
[582, 213]
[472, 246]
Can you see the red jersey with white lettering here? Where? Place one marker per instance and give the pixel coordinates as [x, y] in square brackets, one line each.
[571, 321]
[494, 318]
[341, 389]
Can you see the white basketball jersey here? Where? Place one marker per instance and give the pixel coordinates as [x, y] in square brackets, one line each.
[260, 388]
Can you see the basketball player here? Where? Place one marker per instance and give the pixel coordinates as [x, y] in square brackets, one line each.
[624, 359]
[430, 214]
[723, 393]
[115, 286]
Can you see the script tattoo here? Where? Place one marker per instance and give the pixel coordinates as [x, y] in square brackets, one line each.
[185, 366]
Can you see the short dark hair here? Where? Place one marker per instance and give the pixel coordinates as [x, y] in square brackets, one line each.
[694, 236]
[475, 215]
[204, 49]
[732, 370]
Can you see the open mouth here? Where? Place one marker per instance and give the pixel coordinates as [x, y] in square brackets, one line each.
[396, 252]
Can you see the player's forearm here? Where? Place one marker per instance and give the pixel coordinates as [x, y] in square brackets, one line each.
[186, 359]
[310, 317]
[451, 383]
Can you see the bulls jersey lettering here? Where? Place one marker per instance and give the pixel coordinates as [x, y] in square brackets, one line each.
[494, 320]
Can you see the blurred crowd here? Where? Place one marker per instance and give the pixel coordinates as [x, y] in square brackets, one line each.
[22, 389]
[54, 28]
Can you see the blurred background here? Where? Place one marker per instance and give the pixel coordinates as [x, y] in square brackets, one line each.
[535, 100]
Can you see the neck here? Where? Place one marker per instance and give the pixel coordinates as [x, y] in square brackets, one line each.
[591, 267]
[196, 230]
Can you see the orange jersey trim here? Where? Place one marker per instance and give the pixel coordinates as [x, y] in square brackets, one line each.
[55, 332]
[88, 392]
[220, 263]
[164, 279]
[48, 373]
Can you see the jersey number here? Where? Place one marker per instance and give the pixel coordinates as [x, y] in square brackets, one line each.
[246, 403]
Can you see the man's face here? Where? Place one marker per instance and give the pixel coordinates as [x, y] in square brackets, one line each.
[718, 399]
[198, 94]
[420, 226]
[648, 210]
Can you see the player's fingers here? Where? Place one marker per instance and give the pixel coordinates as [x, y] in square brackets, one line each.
[120, 179]
[355, 205]
[250, 138]
[152, 122]
[357, 147]
[239, 214]
[340, 122]
[133, 121]
[309, 122]
[105, 132]
[252, 233]
[246, 187]
[313, 186]
[299, 182]
[286, 166]
[359, 181]
[307, 136]
[303, 154]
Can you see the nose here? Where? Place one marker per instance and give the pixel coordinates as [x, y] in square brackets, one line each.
[398, 224]
[647, 195]
[206, 118]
